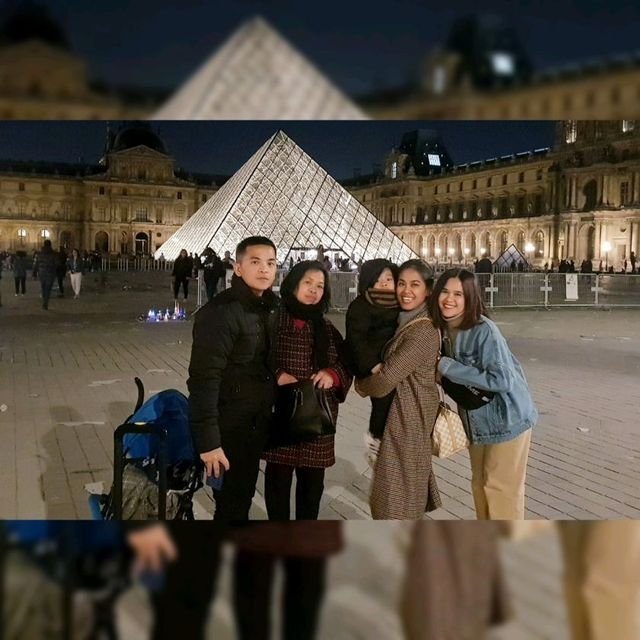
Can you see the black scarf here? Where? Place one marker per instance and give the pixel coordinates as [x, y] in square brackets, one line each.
[312, 313]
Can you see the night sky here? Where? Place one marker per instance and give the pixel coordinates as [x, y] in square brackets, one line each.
[222, 147]
[362, 45]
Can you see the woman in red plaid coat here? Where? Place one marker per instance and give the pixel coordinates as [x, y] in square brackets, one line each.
[306, 348]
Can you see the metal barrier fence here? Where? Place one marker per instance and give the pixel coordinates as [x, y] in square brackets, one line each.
[135, 264]
[532, 289]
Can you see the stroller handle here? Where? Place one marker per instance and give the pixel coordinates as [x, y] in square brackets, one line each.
[140, 429]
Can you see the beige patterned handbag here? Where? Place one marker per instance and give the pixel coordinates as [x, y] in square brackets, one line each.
[448, 435]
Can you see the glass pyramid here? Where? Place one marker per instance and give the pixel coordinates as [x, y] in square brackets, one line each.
[511, 255]
[257, 75]
[282, 193]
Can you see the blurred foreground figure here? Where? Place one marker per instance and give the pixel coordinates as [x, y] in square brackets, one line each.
[302, 549]
[453, 587]
[602, 579]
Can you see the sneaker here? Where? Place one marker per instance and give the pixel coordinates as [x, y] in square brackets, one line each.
[372, 448]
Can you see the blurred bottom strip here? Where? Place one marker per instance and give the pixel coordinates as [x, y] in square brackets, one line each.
[327, 579]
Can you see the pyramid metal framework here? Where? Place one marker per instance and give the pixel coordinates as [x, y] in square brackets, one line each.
[282, 193]
[257, 75]
[510, 255]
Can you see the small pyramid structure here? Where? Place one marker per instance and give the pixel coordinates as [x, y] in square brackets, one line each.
[257, 75]
[510, 255]
[283, 194]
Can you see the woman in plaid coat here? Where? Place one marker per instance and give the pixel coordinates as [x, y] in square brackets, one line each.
[306, 348]
[404, 485]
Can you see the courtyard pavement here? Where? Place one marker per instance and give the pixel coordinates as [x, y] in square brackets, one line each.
[66, 382]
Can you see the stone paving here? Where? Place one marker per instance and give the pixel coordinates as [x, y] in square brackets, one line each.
[66, 381]
[363, 591]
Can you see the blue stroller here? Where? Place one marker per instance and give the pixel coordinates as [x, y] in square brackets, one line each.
[155, 465]
[78, 556]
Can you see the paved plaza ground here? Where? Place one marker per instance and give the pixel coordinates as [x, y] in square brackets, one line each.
[364, 588]
[66, 381]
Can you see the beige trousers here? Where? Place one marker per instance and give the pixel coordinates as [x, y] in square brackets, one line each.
[602, 579]
[76, 282]
[498, 473]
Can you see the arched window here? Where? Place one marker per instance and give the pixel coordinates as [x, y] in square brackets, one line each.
[539, 244]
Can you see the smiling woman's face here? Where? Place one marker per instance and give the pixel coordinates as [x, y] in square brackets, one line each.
[411, 290]
[310, 288]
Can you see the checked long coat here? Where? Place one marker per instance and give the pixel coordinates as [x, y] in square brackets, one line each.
[404, 486]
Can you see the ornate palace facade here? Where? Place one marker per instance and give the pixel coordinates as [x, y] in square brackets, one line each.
[580, 199]
[130, 202]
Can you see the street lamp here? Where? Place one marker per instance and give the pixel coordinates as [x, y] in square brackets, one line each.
[606, 247]
[482, 251]
[451, 252]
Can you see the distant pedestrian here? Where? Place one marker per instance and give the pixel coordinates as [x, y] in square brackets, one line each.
[61, 271]
[20, 272]
[632, 259]
[47, 264]
[75, 264]
[182, 269]
[213, 271]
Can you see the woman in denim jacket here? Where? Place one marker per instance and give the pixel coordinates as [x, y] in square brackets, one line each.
[499, 431]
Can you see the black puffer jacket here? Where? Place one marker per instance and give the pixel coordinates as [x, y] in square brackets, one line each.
[47, 263]
[231, 373]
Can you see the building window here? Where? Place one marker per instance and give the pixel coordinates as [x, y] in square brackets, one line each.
[101, 191]
[504, 207]
[624, 194]
[435, 190]
[419, 191]
[448, 188]
[142, 174]
[521, 176]
[141, 214]
[22, 208]
[159, 216]
[571, 131]
[521, 205]
[125, 191]
[394, 170]
[489, 181]
[460, 189]
[504, 180]
[539, 243]
[475, 183]
[628, 125]
[20, 186]
[539, 174]
[487, 208]
[45, 233]
[537, 204]
[22, 233]
[179, 195]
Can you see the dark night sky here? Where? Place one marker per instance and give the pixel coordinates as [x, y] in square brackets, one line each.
[361, 44]
[221, 147]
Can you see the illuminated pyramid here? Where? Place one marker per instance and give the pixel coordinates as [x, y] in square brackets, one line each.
[257, 75]
[282, 193]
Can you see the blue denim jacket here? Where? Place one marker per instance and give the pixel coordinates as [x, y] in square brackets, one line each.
[484, 360]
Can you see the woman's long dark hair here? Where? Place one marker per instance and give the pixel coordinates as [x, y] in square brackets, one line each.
[473, 302]
[294, 277]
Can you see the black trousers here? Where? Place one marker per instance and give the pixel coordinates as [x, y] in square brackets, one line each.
[46, 284]
[181, 607]
[304, 587]
[60, 277]
[243, 451]
[212, 285]
[176, 287]
[379, 411]
[277, 491]
[21, 283]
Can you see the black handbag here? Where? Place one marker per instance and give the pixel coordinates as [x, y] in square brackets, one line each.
[302, 413]
[465, 395]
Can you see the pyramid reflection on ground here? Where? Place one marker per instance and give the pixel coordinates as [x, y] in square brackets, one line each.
[282, 193]
[257, 75]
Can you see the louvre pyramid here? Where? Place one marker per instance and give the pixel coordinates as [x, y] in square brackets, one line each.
[256, 74]
[282, 193]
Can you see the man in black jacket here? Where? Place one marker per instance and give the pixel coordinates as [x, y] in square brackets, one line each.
[231, 378]
[47, 264]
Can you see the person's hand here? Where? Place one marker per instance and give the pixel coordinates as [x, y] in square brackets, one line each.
[213, 460]
[286, 378]
[152, 548]
[322, 379]
[358, 389]
[377, 368]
